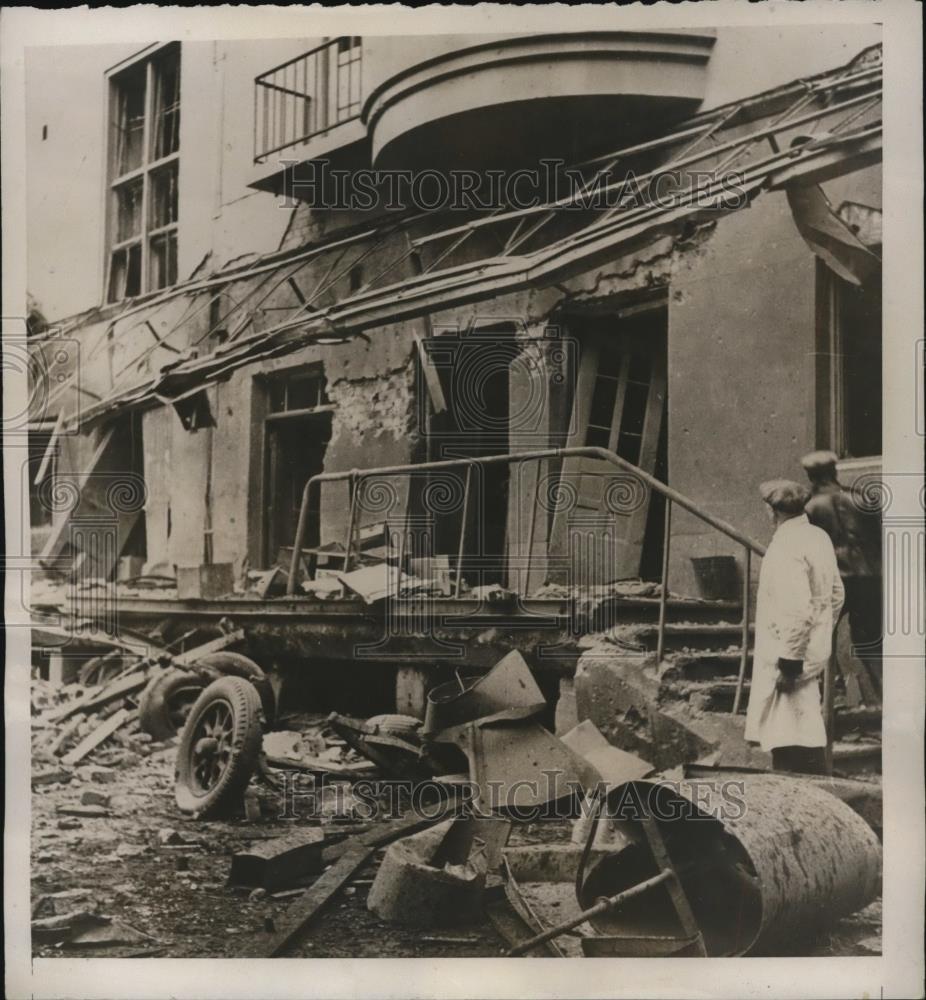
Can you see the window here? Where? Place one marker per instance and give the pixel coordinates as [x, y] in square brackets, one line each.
[350, 52]
[849, 376]
[143, 171]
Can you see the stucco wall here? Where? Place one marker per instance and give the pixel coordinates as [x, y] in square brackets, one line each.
[741, 337]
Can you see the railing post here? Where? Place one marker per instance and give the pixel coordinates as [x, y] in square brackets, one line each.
[301, 525]
[664, 588]
[459, 581]
[531, 530]
[744, 653]
[354, 483]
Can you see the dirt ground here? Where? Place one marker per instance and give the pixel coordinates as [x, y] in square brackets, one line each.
[171, 899]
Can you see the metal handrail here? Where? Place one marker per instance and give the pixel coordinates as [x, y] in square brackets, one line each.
[516, 458]
[356, 476]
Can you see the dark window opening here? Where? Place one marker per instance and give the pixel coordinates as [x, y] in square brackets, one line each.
[474, 372]
[130, 119]
[128, 211]
[302, 391]
[163, 261]
[166, 132]
[163, 197]
[849, 383]
[125, 273]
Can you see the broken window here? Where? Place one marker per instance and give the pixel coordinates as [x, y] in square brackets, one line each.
[303, 391]
[144, 171]
[849, 379]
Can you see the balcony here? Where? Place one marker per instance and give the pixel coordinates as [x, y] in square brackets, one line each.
[308, 106]
[476, 102]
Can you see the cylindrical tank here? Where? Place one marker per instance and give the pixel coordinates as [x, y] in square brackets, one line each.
[766, 861]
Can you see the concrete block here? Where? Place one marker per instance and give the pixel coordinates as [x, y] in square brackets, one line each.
[620, 693]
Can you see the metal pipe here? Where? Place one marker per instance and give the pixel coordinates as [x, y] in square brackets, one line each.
[602, 906]
[673, 164]
[664, 589]
[744, 653]
[354, 488]
[527, 456]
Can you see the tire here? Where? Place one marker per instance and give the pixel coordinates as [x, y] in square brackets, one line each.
[166, 702]
[235, 665]
[219, 749]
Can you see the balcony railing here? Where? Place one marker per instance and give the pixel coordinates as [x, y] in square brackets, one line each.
[307, 96]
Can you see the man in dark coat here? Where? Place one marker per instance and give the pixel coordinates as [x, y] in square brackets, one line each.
[856, 536]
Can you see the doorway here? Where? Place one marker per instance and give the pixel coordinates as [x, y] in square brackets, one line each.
[611, 528]
[296, 434]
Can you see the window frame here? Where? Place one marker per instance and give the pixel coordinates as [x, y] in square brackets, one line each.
[116, 179]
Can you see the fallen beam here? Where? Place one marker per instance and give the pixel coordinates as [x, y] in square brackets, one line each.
[356, 853]
[98, 736]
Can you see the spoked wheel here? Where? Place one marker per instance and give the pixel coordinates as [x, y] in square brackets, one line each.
[212, 746]
[219, 748]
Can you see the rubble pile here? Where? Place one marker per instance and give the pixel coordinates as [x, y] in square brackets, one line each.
[502, 840]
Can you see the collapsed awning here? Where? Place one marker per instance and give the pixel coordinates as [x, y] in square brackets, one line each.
[787, 138]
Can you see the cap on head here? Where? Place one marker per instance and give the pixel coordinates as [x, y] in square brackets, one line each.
[818, 462]
[784, 495]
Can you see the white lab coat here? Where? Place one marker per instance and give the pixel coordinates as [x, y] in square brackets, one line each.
[799, 600]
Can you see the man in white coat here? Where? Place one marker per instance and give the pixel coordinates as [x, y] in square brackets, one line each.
[799, 600]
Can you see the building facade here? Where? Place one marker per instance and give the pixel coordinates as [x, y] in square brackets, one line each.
[244, 314]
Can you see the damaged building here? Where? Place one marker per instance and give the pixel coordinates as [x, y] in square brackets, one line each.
[385, 436]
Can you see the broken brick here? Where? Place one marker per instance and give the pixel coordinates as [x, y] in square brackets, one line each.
[91, 797]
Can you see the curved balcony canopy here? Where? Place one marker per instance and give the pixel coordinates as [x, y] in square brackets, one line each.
[512, 100]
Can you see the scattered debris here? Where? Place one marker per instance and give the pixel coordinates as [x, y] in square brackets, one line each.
[277, 863]
[90, 797]
[99, 735]
[418, 885]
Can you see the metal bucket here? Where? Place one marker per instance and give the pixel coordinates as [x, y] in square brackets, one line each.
[766, 863]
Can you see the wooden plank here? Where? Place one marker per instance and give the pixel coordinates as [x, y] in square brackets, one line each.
[94, 699]
[98, 736]
[356, 853]
[58, 535]
[213, 646]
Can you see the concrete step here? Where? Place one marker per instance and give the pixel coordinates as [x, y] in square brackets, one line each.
[717, 694]
[708, 696]
[640, 610]
[693, 635]
[865, 720]
[704, 665]
[857, 758]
